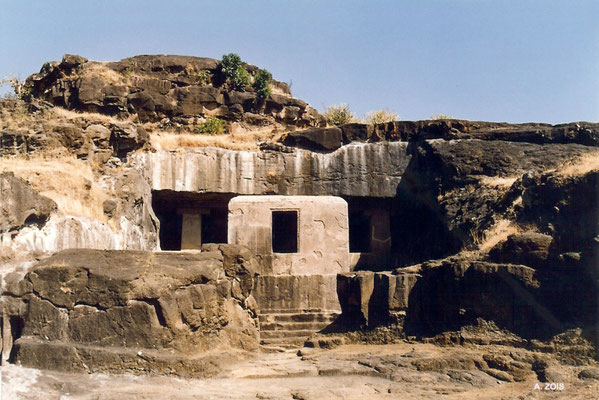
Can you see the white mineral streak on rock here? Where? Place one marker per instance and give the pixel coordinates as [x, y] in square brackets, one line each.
[359, 169]
[65, 232]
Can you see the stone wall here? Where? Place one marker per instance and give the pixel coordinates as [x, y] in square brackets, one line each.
[297, 293]
[322, 233]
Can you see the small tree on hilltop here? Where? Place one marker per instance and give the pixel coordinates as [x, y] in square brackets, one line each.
[234, 72]
[17, 85]
[261, 84]
[339, 114]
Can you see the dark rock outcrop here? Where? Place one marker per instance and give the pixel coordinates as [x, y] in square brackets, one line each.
[88, 310]
[20, 205]
[459, 189]
[157, 87]
[88, 137]
[585, 133]
[454, 293]
[529, 248]
[447, 295]
[316, 139]
[373, 299]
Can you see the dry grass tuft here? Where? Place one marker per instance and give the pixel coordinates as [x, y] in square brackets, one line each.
[498, 233]
[99, 70]
[65, 179]
[580, 165]
[237, 140]
[277, 90]
[498, 182]
[76, 115]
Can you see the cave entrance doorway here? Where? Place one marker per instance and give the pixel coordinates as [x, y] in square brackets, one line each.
[188, 220]
[370, 232]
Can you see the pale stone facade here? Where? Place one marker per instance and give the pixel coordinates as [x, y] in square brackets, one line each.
[322, 237]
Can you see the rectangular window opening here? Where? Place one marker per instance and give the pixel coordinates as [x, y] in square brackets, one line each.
[284, 231]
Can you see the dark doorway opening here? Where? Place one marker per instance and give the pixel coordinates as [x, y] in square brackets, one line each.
[284, 231]
[171, 224]
[359, 233]
[215, 225]
[171, 208]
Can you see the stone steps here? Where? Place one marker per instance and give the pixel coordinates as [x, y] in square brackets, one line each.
[286, 333]
[284, 342]
[293, 326]
[282, 330]
[298, 317]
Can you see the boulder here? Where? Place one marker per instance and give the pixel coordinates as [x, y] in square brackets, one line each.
[315, 139]
[20, 205]
[71, 136]
[150, 105]
[72, 61]
[589, 374]
[357, 132]
[127, 138]
[528, 248]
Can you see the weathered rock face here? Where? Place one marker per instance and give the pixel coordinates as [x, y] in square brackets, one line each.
[163, 86]
[33, 222]
[529, 248]
[41, 128]
[372, 299]
[448, 295]
[20, 205]
[565, 207]
[455, 293]
[585, 133]
[285, 293]
[354, 170]
[65, 232]
[316, 139]
[460, 188]
[130, 209]
[86, 310]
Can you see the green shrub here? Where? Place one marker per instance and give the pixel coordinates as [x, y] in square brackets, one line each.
[202, 77]
[241, 80]
[339, 114]
[380, 117]
[234, 72]
[212, 126]
[229, 64]
[261, 84]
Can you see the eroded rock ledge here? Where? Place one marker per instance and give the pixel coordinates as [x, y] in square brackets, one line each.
[91, 310]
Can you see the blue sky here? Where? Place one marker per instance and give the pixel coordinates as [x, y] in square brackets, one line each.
[514, 61]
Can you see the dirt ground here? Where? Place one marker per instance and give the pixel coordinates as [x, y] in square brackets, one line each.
[398, 371]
